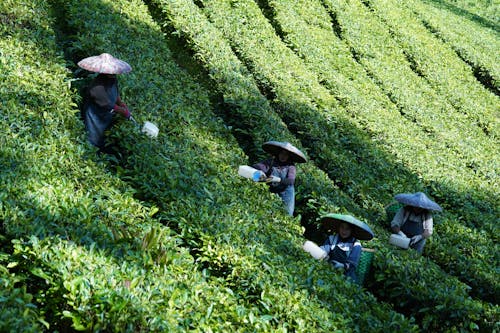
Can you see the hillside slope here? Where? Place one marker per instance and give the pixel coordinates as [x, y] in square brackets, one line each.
[163, 235]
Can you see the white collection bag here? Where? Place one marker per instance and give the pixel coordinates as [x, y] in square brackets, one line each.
[249, 172]
[314, 250]
[400, 240]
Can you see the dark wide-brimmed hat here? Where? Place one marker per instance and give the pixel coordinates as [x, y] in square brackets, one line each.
[274, 148]
[360, 230]
[105, 63]
[417, 199]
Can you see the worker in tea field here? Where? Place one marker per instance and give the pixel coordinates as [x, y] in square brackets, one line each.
[281, 169]
[102, 100]
[343, 246]
[414, 219]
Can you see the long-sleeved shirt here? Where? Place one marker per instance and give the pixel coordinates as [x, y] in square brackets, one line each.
[405, 215]
[273, 167]
[98, 102]
[352, 249]
[103, 92]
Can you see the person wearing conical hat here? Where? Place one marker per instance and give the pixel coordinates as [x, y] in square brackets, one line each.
[343, 246]
[281, 169]
[414, 220]
[102, 101]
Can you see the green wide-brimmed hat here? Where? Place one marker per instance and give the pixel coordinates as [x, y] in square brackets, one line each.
[417, 199]
[274, 148]
[360, 230]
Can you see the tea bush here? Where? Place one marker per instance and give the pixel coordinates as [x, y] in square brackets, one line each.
[196, 30]
[17, 311]
[483, 11]
[448, 74]
[163, 236]
[52, 190]
[300, 26]
[101, 249]
[477, 47]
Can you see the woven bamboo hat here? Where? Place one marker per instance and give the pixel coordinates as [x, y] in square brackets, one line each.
[360, 230]
[105, 63]
[417, 199]
[274, 148]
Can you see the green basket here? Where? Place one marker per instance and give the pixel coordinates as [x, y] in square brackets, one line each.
[365, 262]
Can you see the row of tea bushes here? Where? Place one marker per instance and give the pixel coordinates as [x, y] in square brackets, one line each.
[484, 12]
[386, 50]
[18, 313]
[467, 208]
[309, 106]
[306, 27]
[447, 308]
[245, 47]
[372, 101]
[438, 63]
[308, 109]
[478, 47]
[189, 24]
[470, 194]
[247, 110]
[92, 290]
[99, 265]
[243, 244]
[383, 58]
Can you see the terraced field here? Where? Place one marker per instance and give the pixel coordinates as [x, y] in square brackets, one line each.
[383, 96]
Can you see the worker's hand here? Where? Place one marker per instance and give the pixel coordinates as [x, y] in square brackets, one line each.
[415, 239]
[122, 110]
[121, 103]
[126, 113]
[273, 179]
[426, 233]
[338, 265]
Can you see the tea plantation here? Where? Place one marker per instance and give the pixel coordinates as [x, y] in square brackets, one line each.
[383, 96]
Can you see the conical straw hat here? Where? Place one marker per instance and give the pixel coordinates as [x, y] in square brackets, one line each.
[274, 148]
[105, 64]
[417, 199]
[360, 230]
